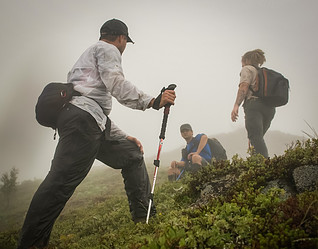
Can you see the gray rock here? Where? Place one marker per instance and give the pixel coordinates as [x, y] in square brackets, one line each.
[281, 184]
[216, 188]
[306, 178]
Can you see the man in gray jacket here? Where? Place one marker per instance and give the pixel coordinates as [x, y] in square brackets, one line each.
[86, 133]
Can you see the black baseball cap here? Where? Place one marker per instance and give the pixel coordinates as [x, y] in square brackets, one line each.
[185, 127]
[115, 27]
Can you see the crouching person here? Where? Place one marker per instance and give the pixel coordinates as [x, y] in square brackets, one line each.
[196, 154]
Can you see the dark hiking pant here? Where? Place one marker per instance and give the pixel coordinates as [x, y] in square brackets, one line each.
[258, 118]
[194, 167]
[81, 141]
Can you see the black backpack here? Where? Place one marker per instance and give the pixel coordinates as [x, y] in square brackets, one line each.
[273, 87]
[54, 97]
[217, 150]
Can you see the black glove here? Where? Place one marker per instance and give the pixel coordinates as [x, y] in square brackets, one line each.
[156, 103]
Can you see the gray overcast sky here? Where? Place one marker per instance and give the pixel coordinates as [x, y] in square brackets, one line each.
[196, 44]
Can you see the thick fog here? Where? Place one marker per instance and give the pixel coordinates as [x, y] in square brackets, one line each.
[195, 44]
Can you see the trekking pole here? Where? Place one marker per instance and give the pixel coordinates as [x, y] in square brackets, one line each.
[161, 137]
[180, 175]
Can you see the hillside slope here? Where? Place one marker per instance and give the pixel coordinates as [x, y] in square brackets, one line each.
[237, 143]
[244, 216]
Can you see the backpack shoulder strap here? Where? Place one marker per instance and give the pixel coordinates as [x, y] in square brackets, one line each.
[259, 79]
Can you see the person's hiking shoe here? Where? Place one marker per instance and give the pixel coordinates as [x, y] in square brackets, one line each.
[140, 220]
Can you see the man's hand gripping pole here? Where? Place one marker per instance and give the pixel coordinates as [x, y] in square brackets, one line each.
[161, 137]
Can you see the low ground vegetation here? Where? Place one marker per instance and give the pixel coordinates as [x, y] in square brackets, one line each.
[245, 216]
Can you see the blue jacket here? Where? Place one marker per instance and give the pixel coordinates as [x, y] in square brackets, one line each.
[193, 146]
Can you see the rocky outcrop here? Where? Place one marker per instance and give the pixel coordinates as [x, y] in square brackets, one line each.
[306, 178]
[303, 178]
[281, 184]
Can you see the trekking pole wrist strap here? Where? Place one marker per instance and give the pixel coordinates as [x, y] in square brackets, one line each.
[156, 103]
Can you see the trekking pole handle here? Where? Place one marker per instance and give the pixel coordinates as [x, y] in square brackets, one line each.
[171, 87]
[166, 113]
